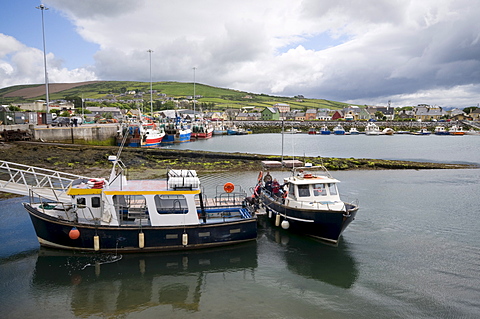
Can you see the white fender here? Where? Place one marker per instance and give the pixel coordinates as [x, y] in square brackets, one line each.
[96, 243]
[141, 240]
[277, 220]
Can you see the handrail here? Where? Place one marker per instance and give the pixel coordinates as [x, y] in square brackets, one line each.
[31, 176]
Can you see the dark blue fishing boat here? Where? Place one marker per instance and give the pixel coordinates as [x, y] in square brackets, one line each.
[308, 203]
[142, 215]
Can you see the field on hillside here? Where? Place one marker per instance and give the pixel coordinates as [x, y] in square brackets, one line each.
[222, 98]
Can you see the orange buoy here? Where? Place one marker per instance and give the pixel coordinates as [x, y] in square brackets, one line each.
[228, 187]
[260, 175]
[74, 233]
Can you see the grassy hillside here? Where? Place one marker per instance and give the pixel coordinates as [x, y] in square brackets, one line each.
[223, 98]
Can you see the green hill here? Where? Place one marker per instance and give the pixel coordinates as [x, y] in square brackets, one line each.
[221, 98]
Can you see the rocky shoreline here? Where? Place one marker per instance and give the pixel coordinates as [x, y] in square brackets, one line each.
[152, 162]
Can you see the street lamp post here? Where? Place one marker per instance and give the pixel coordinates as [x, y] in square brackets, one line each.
[151, 92]
[43, 8]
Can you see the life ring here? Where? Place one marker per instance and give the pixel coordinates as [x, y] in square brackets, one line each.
[260, 175]
[285, 194]
[228, 187]
[307, 176]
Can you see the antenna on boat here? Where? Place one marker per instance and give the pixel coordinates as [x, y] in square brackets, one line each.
[282, 141]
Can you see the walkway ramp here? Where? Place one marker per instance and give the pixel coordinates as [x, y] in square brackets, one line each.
[21, 179]
[472, 124]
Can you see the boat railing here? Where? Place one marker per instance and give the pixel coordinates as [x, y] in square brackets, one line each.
[312, 170]
[47, 205]
[324, 205]
[235, 197]
[352, 204]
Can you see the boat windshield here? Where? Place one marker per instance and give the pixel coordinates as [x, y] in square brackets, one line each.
[171, 204]
[319, 190]
[332, 188]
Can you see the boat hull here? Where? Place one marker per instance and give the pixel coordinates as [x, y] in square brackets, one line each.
[137, 142]
[53, 232]
[176, 138]
[204, 135]
[323, 224]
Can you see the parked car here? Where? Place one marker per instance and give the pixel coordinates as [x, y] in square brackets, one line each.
[78, 118]
[61, 121]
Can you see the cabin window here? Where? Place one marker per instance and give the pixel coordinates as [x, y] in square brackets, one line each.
[130, 204]
[291, 189]
[319, 190]
[303, 190]
[95, 202]
[81, 202]
[171, 204]
[332, 188]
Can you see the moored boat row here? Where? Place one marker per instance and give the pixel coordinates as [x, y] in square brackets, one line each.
[373, 130]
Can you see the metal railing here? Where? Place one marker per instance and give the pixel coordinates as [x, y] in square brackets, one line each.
[19, 179]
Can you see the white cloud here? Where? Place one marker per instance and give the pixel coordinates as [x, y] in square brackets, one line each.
[389, 49]
[20, 64]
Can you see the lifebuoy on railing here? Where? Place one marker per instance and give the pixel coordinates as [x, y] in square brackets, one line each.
[260, 175]
[228, 187]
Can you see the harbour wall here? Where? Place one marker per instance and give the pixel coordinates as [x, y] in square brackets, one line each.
[84, 133]
[104, 132]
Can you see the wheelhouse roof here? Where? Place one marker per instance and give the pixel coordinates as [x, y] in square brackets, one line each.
[315, 179]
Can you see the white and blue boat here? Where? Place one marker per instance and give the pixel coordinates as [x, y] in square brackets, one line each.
[440, 130]
[353, 131]
[177, 132]
[121, 215]
[324, 130]
[338, 130]
[308, 203]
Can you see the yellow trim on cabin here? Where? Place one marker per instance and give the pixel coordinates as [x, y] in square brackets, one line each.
[84, 191]
[120, 192]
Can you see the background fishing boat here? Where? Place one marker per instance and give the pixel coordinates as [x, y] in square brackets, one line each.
[140, 134]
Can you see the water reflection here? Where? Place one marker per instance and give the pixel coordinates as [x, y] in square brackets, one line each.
[109, 284]
[309, 258]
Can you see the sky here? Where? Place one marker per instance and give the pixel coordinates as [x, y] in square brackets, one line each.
[407, 52]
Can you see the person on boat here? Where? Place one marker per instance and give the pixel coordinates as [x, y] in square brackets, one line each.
[268, 186]
[277, 188]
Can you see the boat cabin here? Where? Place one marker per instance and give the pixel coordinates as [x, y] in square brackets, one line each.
[308, 190]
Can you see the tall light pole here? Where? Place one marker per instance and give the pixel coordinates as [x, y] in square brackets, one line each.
[194, 100]
[151, 91]
[43, 8]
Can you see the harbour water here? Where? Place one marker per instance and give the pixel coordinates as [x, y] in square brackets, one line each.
[432, 148]
[412, 252]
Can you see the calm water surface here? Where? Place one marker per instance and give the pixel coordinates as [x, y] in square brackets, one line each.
[431, 148]
[412, 252]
